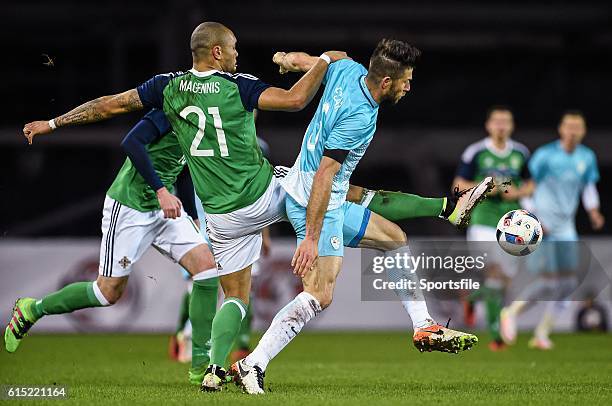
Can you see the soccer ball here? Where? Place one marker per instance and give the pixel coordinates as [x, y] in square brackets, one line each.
[519, 232]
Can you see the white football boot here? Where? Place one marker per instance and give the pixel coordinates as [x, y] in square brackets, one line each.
[465, 201]
[250, 379]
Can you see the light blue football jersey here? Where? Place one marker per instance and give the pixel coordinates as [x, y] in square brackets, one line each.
[560, 179]
[345, 119]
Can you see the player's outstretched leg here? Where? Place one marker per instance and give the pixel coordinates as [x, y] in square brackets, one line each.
[428, 335]
[465, 201]
[75, 296]
[398, 206]
[23, 319]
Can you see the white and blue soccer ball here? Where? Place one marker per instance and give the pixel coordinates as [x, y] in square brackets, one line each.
[519, 232]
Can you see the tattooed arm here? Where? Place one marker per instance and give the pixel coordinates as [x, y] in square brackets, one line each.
[99, 109]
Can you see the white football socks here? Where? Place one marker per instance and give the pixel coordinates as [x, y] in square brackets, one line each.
[287, 324]
[412, 299]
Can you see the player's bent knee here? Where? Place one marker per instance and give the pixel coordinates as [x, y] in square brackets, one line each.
[354, 194]
[325, 301]
[323, 296]
[198, 259]
[237, 284]
[108, 290]
[324, 293]
[395, 238]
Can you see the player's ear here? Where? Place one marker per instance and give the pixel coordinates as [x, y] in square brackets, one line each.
[386, 82]
[217, 52]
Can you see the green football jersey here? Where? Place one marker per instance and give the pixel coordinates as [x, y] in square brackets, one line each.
[211, 114]
[129, 187]
[480, 160]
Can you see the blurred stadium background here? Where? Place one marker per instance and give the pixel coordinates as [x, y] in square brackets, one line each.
[539, 58]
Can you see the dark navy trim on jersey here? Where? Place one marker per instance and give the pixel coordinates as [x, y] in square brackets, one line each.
[354, 243]
[186, 193]
[158, 118]
[249, 87]
[366, 92]
[153, 126]
[134, 144]
[151, 92]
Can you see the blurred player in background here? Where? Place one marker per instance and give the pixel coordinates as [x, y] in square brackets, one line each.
[564, 170]
[135, 217]
[506, 161]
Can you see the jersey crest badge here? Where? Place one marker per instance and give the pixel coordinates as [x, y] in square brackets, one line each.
[125, 262]
[335, 242]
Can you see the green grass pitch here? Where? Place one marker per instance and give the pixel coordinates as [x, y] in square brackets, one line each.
[322, 368]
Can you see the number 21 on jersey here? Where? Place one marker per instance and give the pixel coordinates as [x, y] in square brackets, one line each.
[216, 116]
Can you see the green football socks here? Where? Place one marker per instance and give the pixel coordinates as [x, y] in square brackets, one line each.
[243, 341]
[78, 295]
[396, 206]
[225, 327]
[202, 308]
[493, 299]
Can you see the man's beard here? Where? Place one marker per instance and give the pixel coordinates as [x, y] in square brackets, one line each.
[392, 100]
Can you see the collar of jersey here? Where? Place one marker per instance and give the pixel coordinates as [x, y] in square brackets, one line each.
[502, 153]
[203, 74]
[560, 148]
[366, 92]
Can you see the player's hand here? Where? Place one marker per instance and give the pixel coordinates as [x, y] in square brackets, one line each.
[290, 62]
[31, 130]
[597, 219]
[337, 55]
[170, 204]
[280, 58]
[305, 256]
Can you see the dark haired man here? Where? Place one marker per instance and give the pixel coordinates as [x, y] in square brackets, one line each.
[324, 222]
[506, 161]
